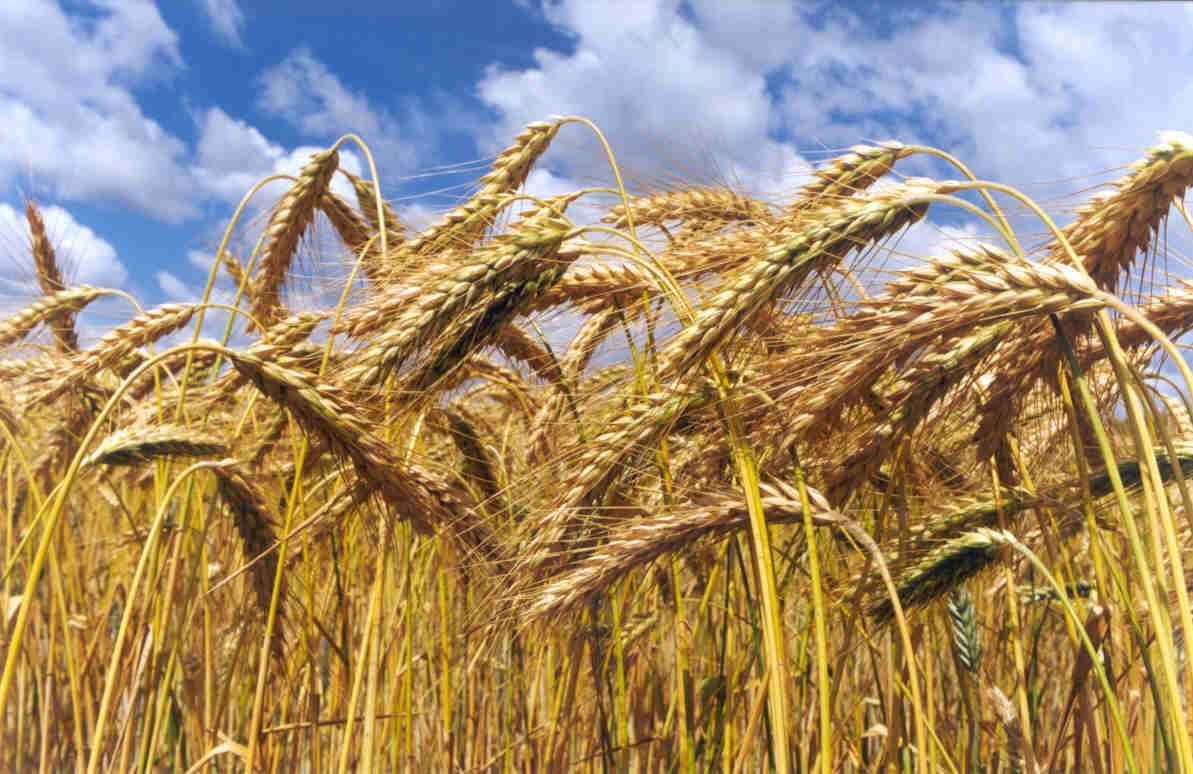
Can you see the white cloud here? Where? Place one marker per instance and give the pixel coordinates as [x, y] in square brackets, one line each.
[760, 32]
[672, 97]
[231, 156]
[304, 92]
[1083, 90]
[225, 18]
[71, 122]
[173, 288]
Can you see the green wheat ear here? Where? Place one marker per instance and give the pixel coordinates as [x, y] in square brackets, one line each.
[944, 569]
[966, 644]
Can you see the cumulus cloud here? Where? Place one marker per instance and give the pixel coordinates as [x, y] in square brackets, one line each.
[173, 288]
[674, 97]
[700, 89]
[71, 120]
[1025, 93]
[304, 92]
[231, 155]
[225, 18]
[85, 257]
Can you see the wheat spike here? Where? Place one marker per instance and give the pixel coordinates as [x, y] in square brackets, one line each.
[290, 219]
[145, 443]
[49, 278]
[70, 300]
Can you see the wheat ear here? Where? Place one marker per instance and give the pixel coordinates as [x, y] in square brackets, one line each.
[139, 444]
[70, 300]
[247, 506]
[942, 570]
[49, 278]
[848, 226]
[290, 219]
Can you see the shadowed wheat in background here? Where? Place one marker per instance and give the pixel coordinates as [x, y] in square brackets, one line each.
[769, 505]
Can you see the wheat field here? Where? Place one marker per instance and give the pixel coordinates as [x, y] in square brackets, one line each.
[704, 482]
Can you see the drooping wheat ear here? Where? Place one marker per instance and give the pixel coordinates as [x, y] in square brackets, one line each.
[920, 387]
[292, 330]
[119, 343]
[479, 467]
[280, 342]
[355, 232]
[599, 286]
[466, 223]
[641, 538]
[638, 425]
[1117, 225]
[395, 229]
[924, 279]
[49, 278]
[477, 328]
[49, 307]
[375, 265]
[321, 411]
[684, 203]
[247, 506]
[233, 267]
[441, 291]
[1014, 288]
[1108, 233]
[967, 644]
[887, 330]
[290, 219]
[945, 568]
[491, 281]
[1171, 311]
[143, 443]
[519, 345]
[834, 232]
[513, 164]
[353, 229]
[849, 174]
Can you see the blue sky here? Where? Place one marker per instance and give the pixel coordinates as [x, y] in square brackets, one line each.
[139, 126]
